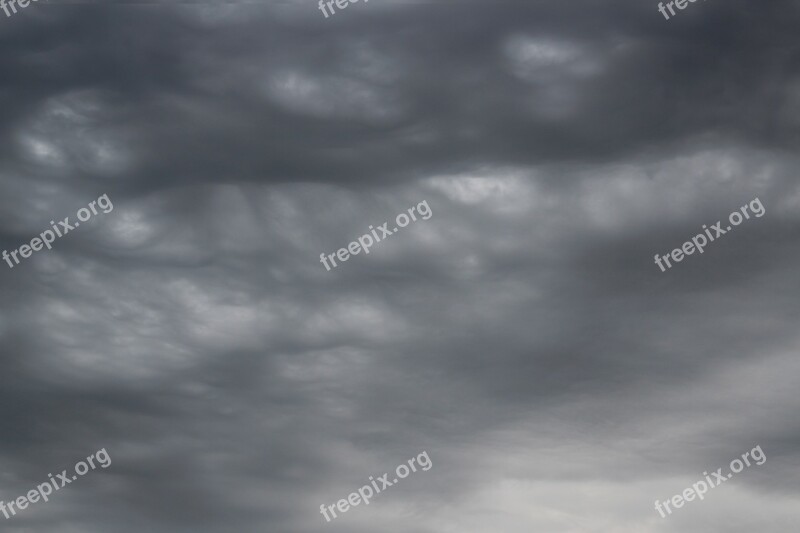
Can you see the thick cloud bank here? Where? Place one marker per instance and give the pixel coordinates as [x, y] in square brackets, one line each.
[523, 336]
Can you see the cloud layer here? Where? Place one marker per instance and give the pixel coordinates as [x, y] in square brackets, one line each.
[523, 336]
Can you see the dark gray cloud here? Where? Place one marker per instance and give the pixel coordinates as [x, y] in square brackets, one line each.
[522, 336]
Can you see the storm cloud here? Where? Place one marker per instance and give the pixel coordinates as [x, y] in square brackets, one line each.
[523, 336]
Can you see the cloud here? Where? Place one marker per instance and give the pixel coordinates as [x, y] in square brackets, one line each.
[522, 335]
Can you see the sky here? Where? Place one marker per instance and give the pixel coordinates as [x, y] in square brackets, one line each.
[522, 335]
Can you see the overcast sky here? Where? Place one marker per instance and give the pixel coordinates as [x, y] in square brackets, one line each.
[523, 335]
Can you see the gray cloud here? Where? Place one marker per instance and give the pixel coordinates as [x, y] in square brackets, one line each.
[522, 335]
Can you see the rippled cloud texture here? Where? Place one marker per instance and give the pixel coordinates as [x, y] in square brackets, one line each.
[523, 336]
